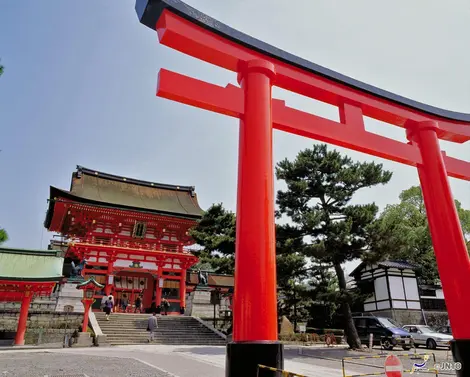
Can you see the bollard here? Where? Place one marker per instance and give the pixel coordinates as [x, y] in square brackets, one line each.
[371, 341]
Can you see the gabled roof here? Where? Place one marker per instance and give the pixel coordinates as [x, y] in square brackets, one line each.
[401, 265]
[30, 265]
[108, 190]
[398, 264]
[91, 281]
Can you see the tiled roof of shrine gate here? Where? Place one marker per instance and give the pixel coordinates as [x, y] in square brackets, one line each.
[30, 265]
[108, 190]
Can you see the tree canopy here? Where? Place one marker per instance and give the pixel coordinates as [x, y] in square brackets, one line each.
[408, 221]
[215, 232]
[320, 186]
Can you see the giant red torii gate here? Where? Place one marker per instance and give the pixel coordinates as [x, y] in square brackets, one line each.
[259, 66]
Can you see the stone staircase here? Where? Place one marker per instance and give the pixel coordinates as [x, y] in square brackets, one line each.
[176, 330]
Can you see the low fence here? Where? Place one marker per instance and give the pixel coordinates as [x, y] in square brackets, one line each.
[411, 363]
[274, 372]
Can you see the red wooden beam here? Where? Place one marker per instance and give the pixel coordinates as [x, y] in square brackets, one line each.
[352, 135]
[11, 290]
[113, 251]
[184, 36]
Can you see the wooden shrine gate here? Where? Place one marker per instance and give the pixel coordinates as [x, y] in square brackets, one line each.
[259, 66]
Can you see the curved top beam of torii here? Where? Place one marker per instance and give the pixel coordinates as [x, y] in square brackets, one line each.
[455, 126]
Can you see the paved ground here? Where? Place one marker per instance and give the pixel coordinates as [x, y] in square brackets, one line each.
[174, 361]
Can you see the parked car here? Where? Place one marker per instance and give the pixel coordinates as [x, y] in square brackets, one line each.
[426, 336]
[386, 333]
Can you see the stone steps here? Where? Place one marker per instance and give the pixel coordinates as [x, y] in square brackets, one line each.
[168, 342]
[126, 328]
[145, 333]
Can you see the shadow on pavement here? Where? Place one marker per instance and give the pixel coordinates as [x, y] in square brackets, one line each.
[290, 352]
[326, 353]
[203, 350]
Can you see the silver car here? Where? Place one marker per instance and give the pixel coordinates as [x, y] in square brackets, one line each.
[426, 336]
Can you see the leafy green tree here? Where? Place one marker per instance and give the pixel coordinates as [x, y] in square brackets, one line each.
[320, 186]
[408, 222]
[3, 236]
[1, 69]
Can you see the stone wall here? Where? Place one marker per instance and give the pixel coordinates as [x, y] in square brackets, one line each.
[39, 304]
[42, 328]
[198, 304]
[436, 319]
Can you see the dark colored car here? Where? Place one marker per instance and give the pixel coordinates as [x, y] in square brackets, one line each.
[385, 333]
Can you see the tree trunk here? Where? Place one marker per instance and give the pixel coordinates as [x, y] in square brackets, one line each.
[350, 331]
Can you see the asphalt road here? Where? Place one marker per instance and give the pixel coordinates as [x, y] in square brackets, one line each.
[179, 361]
[52, 365]
[368, 362]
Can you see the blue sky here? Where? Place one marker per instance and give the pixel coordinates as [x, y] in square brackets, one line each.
[80, 79]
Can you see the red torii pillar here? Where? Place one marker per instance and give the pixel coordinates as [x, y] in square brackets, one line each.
[22, 320]
[448, 241]
[255, 337]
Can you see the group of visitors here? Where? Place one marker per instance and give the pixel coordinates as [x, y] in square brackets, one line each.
[137, 304]
[107, 305]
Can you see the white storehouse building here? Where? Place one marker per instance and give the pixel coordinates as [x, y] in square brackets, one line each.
[395, 293]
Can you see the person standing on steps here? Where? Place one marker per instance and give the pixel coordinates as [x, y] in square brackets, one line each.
[165, 305]
[152, 326]
[138, 304]
[107, 307]
[111, 297]
[124, 303]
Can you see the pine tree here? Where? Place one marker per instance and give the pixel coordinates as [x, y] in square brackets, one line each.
[215, 232]
[320, 186]
[3, 236]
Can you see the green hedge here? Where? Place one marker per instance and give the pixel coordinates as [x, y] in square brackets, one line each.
[318, 331]
[309, 338]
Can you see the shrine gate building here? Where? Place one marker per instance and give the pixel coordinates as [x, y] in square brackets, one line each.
[133, 235]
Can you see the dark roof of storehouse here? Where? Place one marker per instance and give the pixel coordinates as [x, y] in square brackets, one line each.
[401, 265]
[108, 190]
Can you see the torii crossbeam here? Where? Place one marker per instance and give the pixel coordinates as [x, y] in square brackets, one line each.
[259, 66]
